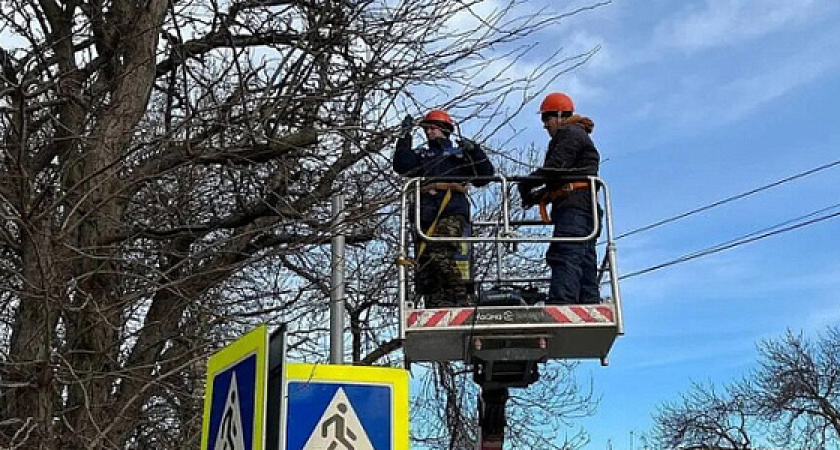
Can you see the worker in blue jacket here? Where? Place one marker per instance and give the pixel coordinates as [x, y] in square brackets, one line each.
[443, 273]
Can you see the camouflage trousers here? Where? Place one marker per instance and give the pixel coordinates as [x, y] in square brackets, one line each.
[443, 271]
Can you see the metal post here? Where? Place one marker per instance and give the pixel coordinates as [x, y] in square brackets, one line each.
[337, 282]
[403, 255]
[616, 293]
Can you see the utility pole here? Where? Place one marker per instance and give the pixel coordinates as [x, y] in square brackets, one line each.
[337, 282]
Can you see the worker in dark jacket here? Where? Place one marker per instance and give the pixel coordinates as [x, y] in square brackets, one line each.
[443, 275]
[571, 154]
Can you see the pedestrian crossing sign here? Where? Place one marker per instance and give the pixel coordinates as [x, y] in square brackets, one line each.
[337, 407]
[235, 395]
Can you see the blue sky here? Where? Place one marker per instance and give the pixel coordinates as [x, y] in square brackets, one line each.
[695, 101]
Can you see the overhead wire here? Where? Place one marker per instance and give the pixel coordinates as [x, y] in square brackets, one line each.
[745, 239]
[729, 199]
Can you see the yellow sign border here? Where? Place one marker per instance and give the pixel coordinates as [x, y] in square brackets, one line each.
[255, 342]
[396, 378]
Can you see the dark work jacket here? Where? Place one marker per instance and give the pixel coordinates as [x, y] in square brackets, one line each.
[441, 159]
[571, 154]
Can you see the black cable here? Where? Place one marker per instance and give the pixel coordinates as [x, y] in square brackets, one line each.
[752, 237]
[729, 199]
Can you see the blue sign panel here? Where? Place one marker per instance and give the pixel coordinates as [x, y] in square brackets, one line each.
[233, 405]
[235, 395]
[346, 414]
[342, 407]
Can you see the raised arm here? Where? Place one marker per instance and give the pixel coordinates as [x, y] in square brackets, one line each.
[406, 160]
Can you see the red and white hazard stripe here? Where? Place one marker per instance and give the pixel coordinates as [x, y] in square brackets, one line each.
[581, 314]
[453, 317]
[439, 317]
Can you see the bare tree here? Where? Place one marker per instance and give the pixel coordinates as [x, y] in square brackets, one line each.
[791, 399]
[164, 176]
[797, 388]
[541, 416]
[705, 419]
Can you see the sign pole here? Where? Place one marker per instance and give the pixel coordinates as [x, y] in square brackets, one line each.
[337, 283]
[276, 396]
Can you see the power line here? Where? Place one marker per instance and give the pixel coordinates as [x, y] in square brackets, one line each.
[746, 239]
[729, 199]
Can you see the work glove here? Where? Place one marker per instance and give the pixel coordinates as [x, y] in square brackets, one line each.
[467, 145]
[528, 195]
[407, 124]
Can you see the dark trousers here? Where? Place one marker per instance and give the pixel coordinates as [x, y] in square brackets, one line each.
[574, 266]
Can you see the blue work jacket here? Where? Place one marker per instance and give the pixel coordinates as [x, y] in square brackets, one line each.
[441, 159]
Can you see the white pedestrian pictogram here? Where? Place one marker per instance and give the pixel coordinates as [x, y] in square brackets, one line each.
[230, 436]
[339, 428]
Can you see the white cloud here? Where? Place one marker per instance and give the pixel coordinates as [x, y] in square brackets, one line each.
[575, 82]
[742, 96]
[757, 61]
[748, 94]
[730, 93]
[475, 15]
[727, 22]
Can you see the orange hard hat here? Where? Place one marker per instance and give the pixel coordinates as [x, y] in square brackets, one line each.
[556, 101]
[439, 118]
